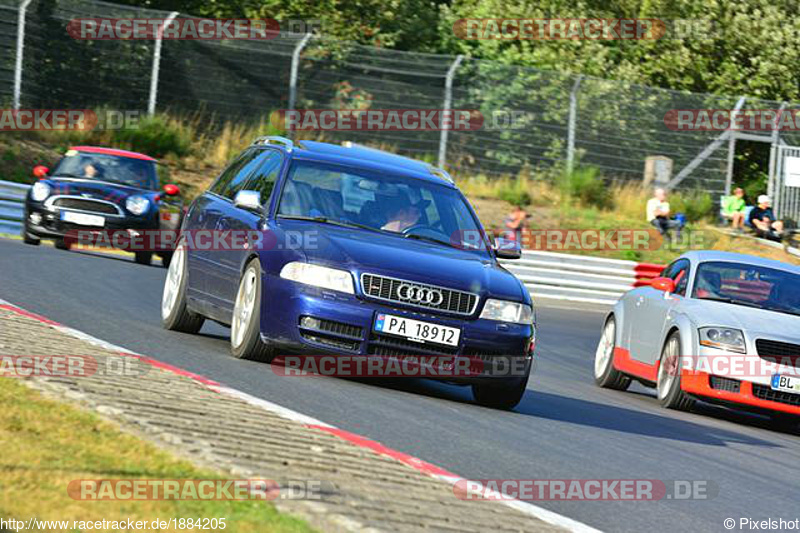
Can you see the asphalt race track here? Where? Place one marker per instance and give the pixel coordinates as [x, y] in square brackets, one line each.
[565, 428]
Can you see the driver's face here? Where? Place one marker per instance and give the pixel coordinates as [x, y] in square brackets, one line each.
[90, 171]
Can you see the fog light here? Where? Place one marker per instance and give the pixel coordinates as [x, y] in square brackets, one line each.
[309, 322]
[35, 218]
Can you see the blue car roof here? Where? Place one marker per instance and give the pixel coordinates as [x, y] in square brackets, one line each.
[364, 157]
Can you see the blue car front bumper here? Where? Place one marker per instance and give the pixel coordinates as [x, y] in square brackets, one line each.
[344, 325]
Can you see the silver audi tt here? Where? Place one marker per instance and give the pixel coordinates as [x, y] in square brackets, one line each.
[717, 326]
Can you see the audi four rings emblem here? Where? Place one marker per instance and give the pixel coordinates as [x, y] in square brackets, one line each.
[420, 295]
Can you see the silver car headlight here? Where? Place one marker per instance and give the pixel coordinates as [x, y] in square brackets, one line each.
[728, 339]
[319, 276]
[40, 191]
[505, 311]
[137, 205]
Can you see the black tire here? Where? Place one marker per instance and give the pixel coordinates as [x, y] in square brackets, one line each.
[179, 317]
[144, 258]
[605, 375]
[669, 390]
[27, 238]
[61, 244]
[166, 259]
[250, 347]
[505, 394]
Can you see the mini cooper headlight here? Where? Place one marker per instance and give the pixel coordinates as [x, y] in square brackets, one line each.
[728, 339]
[319, 276]
[40, 191]
[507, 312]
[137, 204]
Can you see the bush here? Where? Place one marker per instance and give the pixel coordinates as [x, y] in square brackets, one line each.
[586, 186]
[514, 194]
[696, 205]
[156, 136]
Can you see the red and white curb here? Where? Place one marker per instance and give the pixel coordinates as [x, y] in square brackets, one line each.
[419, 465]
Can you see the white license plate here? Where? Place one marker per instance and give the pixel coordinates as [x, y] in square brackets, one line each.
[83, 219]
[416, 330]
[786, 383]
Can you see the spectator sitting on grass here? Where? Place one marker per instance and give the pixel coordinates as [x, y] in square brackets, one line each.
[658, 214]
[764, 222]
[733, 209]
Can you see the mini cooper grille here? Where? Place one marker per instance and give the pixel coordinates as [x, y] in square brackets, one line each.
[777, 352]
[400, 291]
[86, 205]
[726, 384]
[763, 392]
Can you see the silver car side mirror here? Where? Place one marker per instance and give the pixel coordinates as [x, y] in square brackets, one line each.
[250, 200]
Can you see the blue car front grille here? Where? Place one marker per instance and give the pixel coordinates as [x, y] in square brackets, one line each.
[386, 288]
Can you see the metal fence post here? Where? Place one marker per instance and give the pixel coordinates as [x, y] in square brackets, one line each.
[151, 101]
[573, 116]
[298, 49]
[20, 46]
[773, 152]
[448, 102]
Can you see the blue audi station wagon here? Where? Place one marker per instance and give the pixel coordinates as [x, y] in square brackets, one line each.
[365, 253]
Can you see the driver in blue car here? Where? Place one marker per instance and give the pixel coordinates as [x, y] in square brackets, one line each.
[402, 214]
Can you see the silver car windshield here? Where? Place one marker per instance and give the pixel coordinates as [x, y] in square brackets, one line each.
[412, 208]
[748, 285]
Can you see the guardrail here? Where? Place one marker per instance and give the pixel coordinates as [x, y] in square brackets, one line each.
[580, 278]
[12, 198]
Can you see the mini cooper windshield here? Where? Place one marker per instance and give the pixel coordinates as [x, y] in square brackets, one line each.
[103, 167]
[748, 285]
[413, 208]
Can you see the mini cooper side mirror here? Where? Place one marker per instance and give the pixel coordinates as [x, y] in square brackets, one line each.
[507, 248]
[40, 171]
[171, 190]
[663, 284]
[250, 200]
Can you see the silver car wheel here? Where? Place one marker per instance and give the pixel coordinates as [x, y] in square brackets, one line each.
[173, 283]
[605, 349]
[243, 309]
[668, 368]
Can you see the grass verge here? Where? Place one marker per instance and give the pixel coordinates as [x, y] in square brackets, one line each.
[47, 444]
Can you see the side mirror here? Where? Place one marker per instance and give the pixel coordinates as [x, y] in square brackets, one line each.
[250, 200]
[171, 190]
[40, 171]
[663, 284]
[507, 249]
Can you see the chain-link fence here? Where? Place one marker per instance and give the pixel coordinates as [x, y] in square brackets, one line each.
[533, 119]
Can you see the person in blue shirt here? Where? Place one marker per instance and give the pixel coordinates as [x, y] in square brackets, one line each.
[763, 220]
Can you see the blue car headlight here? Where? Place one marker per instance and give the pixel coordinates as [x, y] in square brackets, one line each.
[319, 276]
[505, 311]
[40, 191]
[137, 205]
[728, 339]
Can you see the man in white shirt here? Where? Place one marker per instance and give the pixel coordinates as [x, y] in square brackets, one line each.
[658, 213]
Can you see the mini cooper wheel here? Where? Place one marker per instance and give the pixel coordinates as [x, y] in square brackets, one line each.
[505, 394]
[61, 244]
[246, 340]
[27, 238]
[668, 382]
[174, 314]
[605, 375]
[166, 257]
[144, 258]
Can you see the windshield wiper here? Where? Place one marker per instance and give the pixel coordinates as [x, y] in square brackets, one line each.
[417, 237]
[332, 221]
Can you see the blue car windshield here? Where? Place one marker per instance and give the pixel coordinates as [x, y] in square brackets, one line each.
[412, 208]
[748, 285]
[104, 167]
